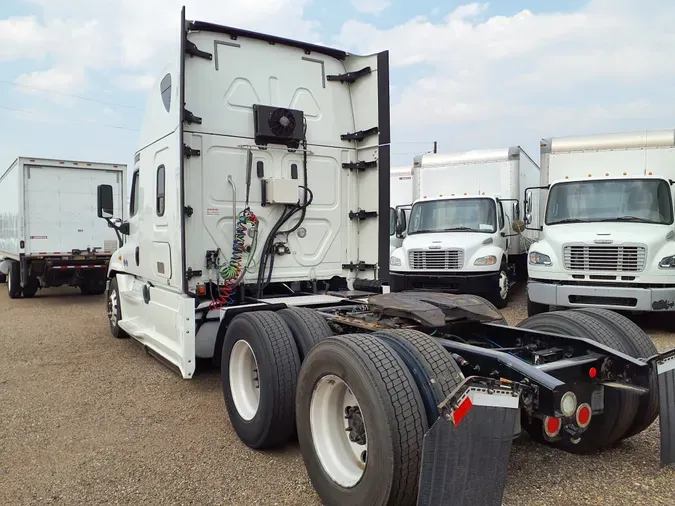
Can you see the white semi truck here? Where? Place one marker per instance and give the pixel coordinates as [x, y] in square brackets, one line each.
[260, 200]
[459, 236]
[48, 237]
[607, 233]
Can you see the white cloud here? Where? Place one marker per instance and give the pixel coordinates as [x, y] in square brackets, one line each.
[135, 82]
[129, 35]
[504, 79]
[60, 80]
[371, 6]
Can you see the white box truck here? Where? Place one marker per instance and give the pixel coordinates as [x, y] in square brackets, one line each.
[459, 236]
[48, 237]
[400, 196]
[607, 235]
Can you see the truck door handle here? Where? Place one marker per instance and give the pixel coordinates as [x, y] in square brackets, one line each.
[137, 256]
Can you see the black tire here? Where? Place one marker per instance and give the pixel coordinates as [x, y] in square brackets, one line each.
[31, 288]
[3, 278]
[535, 308]
[368, 285]
[14, 281]
[435, 372]
[392, 406]
[115, 328]
[278, 364]
[640, 346]
[307, 326]
[608, 427]
[495, 296]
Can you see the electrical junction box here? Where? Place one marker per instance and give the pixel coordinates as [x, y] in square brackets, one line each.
[281, 191]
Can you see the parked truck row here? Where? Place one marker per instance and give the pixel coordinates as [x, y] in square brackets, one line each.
[260, 204]
[598, 223]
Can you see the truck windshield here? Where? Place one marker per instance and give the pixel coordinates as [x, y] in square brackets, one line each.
[637, 200]
[459, 215]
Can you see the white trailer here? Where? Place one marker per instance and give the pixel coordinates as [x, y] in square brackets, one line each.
[459, 238]
[606, 225]
[400, 196]
[48, 234]
[260, 200]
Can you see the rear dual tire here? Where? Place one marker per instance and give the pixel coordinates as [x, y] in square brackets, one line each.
[369, 384]
[259, 372]
[620, 408]
[639, 345]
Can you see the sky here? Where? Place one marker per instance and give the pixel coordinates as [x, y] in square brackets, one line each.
[469, 75]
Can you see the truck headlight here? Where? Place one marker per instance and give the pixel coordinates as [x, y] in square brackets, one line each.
[536, 258]
[488, 260]
[667, 262]
[395, 261]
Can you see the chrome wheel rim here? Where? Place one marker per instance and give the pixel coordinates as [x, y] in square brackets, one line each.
[338, 431]
[244, 380]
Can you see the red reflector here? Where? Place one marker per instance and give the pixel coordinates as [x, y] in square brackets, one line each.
[201, 290]
[584, 415]
[552, 426]
[592, 372]
[461, 411]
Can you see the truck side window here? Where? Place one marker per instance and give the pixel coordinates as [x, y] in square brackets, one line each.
[133, 204]
[160, 190]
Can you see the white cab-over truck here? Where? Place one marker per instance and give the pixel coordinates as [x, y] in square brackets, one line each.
[607, 233]
[400, 195]
[260, 203]
[48, 237]
[459, 236]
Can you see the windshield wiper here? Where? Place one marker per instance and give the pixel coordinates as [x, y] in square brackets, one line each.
[568, 220]
[629, 218]
[458, 229]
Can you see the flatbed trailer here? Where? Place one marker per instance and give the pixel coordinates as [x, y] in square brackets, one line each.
[396, 398]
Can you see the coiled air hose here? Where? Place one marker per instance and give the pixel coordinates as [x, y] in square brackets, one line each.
[233, 272]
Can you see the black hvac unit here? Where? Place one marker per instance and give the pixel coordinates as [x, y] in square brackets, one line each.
[278, 125]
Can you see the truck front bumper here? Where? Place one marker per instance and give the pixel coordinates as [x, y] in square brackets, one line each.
[609, 297]
[470, 282]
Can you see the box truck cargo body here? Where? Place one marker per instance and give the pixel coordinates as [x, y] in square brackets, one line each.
[48, 236]
[607, 235]
[459, 236]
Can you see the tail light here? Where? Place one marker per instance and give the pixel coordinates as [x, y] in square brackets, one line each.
[583, 415]
[552, 426]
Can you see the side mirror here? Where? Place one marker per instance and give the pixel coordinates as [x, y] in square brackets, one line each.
[401, 224]
[516, 210]
[528, 202]
[528, 219]
[392, 221]
[518, 226]
[104, 201]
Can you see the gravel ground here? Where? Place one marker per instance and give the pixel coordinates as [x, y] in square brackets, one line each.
[88, 419]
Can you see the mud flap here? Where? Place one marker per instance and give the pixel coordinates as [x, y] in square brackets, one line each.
[466, 452]
[665, 367]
